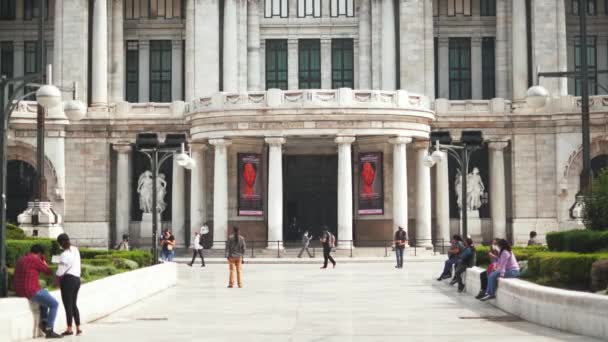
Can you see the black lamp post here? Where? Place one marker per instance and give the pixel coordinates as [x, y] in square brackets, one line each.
[158, 153]
[470, 141]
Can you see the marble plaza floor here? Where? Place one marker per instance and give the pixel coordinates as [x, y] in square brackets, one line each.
[354, 302]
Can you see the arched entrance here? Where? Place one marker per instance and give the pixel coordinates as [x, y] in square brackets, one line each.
[19, 188]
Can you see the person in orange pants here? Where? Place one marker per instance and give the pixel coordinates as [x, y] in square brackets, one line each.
[235, 251]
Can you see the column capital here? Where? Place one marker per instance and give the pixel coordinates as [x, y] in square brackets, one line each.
[198, 146]
[498, 145]
[443, 41]
[122, 147]
[400, 140]
[275, 141]
[476, 41]
[176, 44]
[221, 142]
[421, 144]
[344, 140]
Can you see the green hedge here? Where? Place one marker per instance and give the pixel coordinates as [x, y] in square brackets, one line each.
[18, 248]
[142, 258]
[580, 241]
[565, 269]
[521, 253]
[14, 233]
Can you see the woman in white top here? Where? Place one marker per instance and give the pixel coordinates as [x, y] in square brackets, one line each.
[197, 249]
[68, 273]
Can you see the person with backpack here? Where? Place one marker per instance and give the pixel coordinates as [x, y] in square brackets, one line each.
[328, 240]
[197, 249]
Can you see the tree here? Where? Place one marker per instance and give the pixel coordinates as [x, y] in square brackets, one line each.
[596, 203]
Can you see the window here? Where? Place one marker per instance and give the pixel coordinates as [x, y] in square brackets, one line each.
[309, 58]
[6, 60]
[487, 8]
[30, 64]
[276, 64]
[460, 68]
[342, 71]
[488, 56]
[132, 70]
[462, 7]
[166, 9]
[591, 64]
[276, 8]
[342, 8]
[591, 7]
[160, 71]
[31, 9]
[7, 9]
[309, 8]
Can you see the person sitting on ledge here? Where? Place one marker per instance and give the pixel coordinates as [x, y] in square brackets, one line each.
[466, 260]
[483, 276]
[532, 241]
[506, 267]
[456, 248]
[27, 285]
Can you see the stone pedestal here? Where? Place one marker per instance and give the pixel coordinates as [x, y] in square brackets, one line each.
[473, 225]
[145, 228]
[39, 219]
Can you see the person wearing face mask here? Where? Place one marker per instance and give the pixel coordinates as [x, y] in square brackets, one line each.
[483, 277]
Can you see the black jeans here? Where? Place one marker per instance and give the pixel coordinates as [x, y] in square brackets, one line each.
[483, 278]
[200, 253]
[69, 296]
[460, 269]
[327, 256]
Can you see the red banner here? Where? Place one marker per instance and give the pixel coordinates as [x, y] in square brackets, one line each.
[371, 195]
[250, 185]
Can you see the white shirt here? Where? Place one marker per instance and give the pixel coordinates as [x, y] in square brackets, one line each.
[69, 262]
[196, 242]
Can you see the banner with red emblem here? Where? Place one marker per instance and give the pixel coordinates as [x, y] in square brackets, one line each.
[250, 185]
[371, 195]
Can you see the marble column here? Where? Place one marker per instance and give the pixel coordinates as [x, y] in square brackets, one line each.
[345, 190]
[476, 76]
[176, 70]
[498, 194]
[365, 45]
[292, 64]
[400, 198]
[275, 191]
[230, 66]
[117, 66]
[443, 45]
[423, 196]
[253, 46]
[412, 56]
[220, 191]
[388, 45]
[442, 199]
[123, 189]
[502, 49]
[198, 189]
[326, 63]
[519, 50]
[144, 70]
[99, 74]
[202, 69]
[178, 205]
[19, 59]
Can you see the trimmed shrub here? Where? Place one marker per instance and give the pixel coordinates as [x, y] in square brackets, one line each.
[596, 203]
[90, 271]
[521, 253]
[89, 253]
[566, 269]
[18, 248]
[578, 240]
[599, 275]
[125, 264]
[97, 262]
[142, 258]
[14, 233]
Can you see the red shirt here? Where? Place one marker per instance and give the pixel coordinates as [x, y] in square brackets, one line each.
[26, 277]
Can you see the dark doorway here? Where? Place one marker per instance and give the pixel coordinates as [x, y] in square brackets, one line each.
[19, 188]
[310, 185]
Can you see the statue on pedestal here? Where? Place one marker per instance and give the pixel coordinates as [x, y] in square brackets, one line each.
[475, 190]
[145, 191]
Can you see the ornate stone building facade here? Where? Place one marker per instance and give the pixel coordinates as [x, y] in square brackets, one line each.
[304, 113]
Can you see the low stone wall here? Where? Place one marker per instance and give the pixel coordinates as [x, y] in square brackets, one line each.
[19, 318]
[577, 312]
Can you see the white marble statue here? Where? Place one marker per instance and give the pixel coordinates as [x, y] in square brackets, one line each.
[475, 190]
[145, 191]
[458, 188]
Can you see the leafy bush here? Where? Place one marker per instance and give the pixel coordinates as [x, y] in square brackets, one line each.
[578, 240]
[521, 253]
[566, 269]
[599, 275]
[18, 248]
[89, 271]
[596, 203]
[89, 253]
[14, 233]
[125, 264]
[97, 262]
[142, 258]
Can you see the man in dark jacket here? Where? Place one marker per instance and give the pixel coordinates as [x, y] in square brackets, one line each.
[466, 259]
[235, 251]
[400, 241]
[328, 240]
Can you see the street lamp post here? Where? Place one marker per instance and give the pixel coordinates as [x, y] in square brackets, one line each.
[149, 145]
[470, 142]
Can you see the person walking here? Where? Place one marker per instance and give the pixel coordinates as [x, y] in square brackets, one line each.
[235, 251]
[197, 248]
[68, 273]
[328, 240]
[26, 284]
[400, 241]
[305, 243]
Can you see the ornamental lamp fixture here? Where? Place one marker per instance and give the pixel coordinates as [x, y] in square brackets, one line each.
[536, 97]
[48, 96]
[74, 110]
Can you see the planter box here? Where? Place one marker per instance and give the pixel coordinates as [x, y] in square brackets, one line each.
[19, 317]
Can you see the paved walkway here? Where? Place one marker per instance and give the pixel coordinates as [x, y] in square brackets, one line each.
[354, 302]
